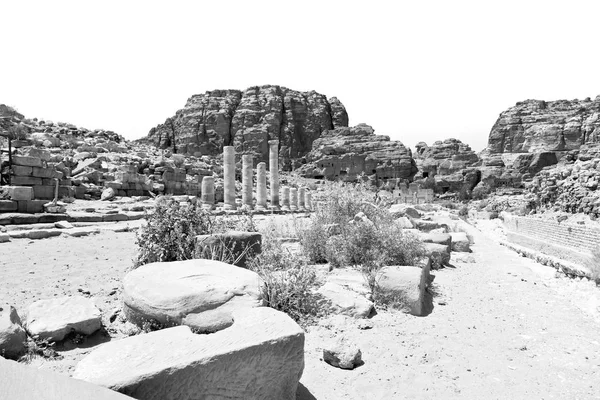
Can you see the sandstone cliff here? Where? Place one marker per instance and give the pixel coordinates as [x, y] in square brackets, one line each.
[248, 119]
[536, 126]
[345, 153]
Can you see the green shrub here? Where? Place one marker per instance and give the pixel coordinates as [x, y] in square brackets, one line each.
[170, 232]
[464, 211]
[289, 283]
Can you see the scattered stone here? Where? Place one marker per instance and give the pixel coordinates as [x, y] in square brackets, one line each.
[402, 210]
[35, 234]
[4, 237]
[108, 194]
[167, 292]
[208, 321]
[12, 334]
[261, 356]
[364, 324]
[63, 225]
[438, 252]
[54, 319]
[342, 354]
[404, 223]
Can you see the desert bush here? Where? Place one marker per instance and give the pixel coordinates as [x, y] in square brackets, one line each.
[463, 212]
[449, 205]
[289, 282]
[170, 232]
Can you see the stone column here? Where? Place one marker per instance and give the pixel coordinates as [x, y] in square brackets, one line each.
[247, 181]
[261, 186]
[208, 193]
[229, 177]
[308, 201]
[294, 199]
[274, 173]
[285, 198]
[301, 195]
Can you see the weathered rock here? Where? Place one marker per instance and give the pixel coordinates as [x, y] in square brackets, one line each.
[167, 292]
[22, 382]
[403, 210]
[12, 334]
[534, 126]
[407, 286]
[345, 153]
[248, 119]
[439, 238]
[460, 242]
[108, 194]
[438, 252]
[404, 223]
[238, 245]
[342, 354]
[54, 319]
[346, 301]
[261, 356]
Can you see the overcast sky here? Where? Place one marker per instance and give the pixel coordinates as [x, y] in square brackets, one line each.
[414, 70]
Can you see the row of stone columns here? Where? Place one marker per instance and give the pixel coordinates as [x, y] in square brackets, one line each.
[293, 199]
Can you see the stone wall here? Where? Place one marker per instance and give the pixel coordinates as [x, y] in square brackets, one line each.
[568, 241]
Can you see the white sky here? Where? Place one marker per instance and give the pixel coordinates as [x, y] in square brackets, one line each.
[414, 70]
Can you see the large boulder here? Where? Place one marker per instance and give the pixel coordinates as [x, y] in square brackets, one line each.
[54, 319]
[237, 245]
[346, 301]
[168, 292]
[22, 382]
[261, 356]
[439, 238]
[439, 253]
[12, 334]
[408, 285]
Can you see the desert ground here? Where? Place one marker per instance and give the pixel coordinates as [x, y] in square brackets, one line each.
[502, 327]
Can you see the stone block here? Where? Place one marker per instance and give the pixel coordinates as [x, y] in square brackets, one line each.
[19, 381]
[261, 356]
[4, 237]
[439, 253]
[36, 234]
[53, 319]
[114, 217]
[19, 170]
[43, 192]
[460, 242]
[8, 206]
[25, 180]
[24, 219]
[407, 285]
[46, 173]
[27, 161]
[19, 192]
[45, 155]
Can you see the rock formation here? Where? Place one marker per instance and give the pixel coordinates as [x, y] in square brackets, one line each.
[345, 153]
[248, 120]
[447, 165]
[535, 126]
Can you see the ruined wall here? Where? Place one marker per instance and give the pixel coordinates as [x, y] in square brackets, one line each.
[564, 240]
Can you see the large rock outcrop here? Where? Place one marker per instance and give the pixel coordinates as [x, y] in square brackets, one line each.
[345, 153]
[535, 126]
[248, 119]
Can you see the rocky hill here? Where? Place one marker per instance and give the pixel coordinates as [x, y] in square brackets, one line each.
[344, 153]
[247, 120]
[534, 126]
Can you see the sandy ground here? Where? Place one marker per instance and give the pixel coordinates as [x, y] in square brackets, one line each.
[502, 328]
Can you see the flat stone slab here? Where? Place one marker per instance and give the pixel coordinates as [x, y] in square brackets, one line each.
[167, 292]
[54, 319]
[261, 356]
[22, 382]
[345, 301]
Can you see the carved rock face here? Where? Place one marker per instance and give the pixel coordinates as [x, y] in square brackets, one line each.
[248, 119]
